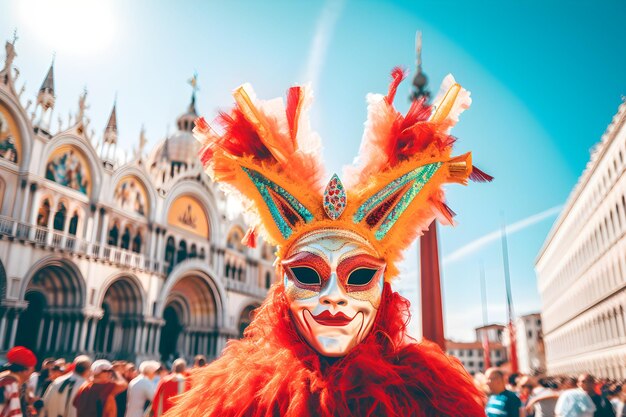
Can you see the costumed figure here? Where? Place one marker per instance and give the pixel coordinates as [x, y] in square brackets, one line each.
[330, 339]
[13, 377]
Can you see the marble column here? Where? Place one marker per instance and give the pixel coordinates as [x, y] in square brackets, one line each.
[3, 327]
[66, 339]
[59, 334]
[116, 337]
[150, 338]
[83, 334]
[42, 324]
[154, 236]
[104, 228]
[92, 334]
[51, 328]
[158, 340]
[14, 328]
[35, 209]
[138, 329]
[21, 214]
[144, 335]
[105, 344]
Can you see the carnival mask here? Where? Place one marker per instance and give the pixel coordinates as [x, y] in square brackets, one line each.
[333, 281]
[337, 244]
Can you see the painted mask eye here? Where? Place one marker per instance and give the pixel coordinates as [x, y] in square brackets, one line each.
[361, 276]
[306, 275]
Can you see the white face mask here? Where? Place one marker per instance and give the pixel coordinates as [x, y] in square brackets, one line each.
[334, 283]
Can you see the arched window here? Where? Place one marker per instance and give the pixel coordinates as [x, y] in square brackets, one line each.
[114, 234]
[137, 243]
[44, 214]
[182, 251]
[268, 280]
[193, 252]
[170, 249]
[202, 254]
[126, 239]
[74, 224]
[240, 274]
[227, 271]
[59, 217]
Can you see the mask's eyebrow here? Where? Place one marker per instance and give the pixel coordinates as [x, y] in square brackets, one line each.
[308, 250]
[313, 260]
[361, 260]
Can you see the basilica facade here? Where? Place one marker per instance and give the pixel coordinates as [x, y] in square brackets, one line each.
[118, 260]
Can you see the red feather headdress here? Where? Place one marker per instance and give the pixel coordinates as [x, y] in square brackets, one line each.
[266, 152]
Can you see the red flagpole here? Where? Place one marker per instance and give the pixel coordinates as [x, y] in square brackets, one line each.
[432, 306]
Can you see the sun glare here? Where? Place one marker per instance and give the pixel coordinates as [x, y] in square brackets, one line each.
[69, 26]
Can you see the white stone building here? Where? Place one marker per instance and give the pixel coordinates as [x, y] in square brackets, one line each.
[121, 260]
[531, 358]
[581, 269]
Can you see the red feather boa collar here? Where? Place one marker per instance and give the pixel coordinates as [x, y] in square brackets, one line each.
[272, 372]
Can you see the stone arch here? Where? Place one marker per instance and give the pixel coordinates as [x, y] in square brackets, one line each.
[54, 291]
[22, 122]
[68, 141]
[206, 200]
[192, 309]
[139, 175]
[132, 285]
[234, 237]
[206, 280]
[122, 303]
[64, 287]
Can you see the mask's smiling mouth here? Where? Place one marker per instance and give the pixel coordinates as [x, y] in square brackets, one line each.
[325, 318]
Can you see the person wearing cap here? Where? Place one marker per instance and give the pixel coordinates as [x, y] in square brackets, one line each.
[141, 389]
[96, 398]
[60, 394]
[21, 364]
[170, 386]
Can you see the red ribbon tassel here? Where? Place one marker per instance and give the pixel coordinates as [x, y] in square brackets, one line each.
[250, 238]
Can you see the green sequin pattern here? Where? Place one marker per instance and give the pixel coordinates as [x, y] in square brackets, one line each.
[262, 184]
[420, 176]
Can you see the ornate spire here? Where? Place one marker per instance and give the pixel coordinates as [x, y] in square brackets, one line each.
[193, 81]
[142, 143]
[45, 97]
[48, 83]
[110, 132]
[420, 81]
[8, 61]
[82, 106]
[185, 121]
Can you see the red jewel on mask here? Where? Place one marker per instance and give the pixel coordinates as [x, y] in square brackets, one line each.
[334, 198]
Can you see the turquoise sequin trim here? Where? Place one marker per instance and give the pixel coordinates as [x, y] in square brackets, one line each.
[262, 184]
[420, 176]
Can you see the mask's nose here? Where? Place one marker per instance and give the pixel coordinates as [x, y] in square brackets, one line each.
[333, 294]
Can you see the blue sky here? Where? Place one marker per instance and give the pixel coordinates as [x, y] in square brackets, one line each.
[546, 78]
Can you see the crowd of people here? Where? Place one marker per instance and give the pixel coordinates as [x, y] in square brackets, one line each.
[524, 396]
[88, 388]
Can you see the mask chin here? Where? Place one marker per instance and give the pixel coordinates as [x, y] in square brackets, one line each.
[332, 312]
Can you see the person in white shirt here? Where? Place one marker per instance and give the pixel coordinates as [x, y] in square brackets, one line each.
[60, 394]
[576, 402]
[141, 390]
